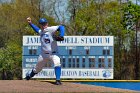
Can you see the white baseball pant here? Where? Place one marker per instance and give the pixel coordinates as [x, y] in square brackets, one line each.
[42, 61]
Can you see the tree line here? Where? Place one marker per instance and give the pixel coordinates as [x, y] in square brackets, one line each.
[80, 17]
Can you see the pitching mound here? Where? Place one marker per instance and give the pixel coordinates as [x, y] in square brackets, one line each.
[34, 86]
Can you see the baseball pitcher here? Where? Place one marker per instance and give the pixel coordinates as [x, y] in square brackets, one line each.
[49, 49]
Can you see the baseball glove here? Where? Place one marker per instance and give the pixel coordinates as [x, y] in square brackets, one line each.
[57, 36]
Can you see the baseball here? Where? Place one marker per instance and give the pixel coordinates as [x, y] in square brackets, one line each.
[29, 19]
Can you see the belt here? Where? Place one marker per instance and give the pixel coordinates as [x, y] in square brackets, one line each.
[52, 52]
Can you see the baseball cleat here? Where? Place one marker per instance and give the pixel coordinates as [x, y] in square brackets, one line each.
[27, 76]
[58, 82]
[30, 75]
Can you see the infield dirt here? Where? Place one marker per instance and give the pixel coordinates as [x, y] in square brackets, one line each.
[35, 86]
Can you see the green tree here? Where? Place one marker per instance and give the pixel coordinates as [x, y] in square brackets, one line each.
[105, 17]
[11, 61]
[13, 26]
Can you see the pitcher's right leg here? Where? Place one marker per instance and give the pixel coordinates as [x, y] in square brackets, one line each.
[41, 63]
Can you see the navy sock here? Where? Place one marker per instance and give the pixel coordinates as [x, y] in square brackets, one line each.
[32, 73]
[57, 72]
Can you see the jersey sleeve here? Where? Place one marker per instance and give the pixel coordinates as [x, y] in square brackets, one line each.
[59, 28]
[35, 28]
[52, 29]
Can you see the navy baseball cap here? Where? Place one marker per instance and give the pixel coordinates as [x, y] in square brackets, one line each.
[42, 21]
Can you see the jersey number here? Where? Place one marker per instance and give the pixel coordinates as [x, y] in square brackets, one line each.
[47, 41]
